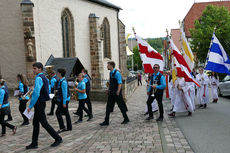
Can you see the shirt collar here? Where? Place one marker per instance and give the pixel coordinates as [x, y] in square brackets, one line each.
[54, 76]
[39, 74]
[156, 74]
[62, 79]
[113, 70]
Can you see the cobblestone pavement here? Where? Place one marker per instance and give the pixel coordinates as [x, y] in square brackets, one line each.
[136, 136]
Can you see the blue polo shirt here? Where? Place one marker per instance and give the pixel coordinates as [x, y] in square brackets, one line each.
[81, 86]
[162, 80]
[117, 76]
[21, 89]
[2, 93]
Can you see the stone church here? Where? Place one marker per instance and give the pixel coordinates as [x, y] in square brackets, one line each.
[33, 30]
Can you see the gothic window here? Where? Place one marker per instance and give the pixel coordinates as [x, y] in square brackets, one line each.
[106, 37]
[68, 34]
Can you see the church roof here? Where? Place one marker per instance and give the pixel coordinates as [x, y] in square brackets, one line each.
[72, 65]
[105, 3]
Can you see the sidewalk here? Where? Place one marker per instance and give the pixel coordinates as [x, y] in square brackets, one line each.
[136, 136]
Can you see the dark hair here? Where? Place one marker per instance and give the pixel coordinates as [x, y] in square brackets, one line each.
[38, 65]
[61, 71]
[215, 75]
[112, 63]
[85, 71]
[157, 65]
[2, 82]
[23, 79]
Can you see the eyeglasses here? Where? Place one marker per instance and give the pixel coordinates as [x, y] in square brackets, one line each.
[155, 67]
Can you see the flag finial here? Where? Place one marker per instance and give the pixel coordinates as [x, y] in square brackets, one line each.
[134, 30]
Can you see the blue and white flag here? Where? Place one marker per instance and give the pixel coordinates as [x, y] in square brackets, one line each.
[217, 59]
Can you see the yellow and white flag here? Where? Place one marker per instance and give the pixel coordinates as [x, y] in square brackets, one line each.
[186, 50]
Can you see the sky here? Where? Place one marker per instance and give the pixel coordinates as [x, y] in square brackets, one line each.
[150, 18]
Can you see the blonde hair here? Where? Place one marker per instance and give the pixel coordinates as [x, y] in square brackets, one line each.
[23, 79]
[81, 74]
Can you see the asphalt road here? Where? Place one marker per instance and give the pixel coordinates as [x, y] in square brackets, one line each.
[208, 130]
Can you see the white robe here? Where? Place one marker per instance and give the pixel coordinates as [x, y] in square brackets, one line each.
[172, 92]
[154, 106]
[214, 85]
[202, 91]
[191, 92]
[182, 102]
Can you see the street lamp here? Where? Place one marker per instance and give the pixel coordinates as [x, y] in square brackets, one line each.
[27, 6]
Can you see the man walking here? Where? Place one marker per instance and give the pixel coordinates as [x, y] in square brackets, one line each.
[155, 91]
[39, 97]
[115, 95]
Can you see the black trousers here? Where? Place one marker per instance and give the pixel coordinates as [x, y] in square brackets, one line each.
[5, 124]
[22, 107]
[82, 107]
[140, 82]
[63, 111]
[88, 103]
[9, 115]
[53, 103]
[40, 117]
[160, 105]
[111, 103]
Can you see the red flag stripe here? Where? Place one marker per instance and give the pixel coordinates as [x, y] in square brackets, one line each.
[152, 54]
[181, 60]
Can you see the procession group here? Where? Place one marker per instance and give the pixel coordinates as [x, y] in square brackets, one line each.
[182, 96]
[183, 93]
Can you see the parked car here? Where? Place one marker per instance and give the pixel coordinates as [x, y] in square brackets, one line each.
[224, 87]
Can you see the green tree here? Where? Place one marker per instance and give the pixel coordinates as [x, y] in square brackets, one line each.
[157, 44]
[213, 17]
[137, 59]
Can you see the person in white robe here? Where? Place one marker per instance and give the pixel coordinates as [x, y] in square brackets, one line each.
[202, 91]
[214, 81]
[182, 101]
[192, 92]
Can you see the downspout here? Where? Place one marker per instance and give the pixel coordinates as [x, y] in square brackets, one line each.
[118, 40]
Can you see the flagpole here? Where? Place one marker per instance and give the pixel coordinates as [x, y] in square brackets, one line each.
[209, 48]
[137, 43]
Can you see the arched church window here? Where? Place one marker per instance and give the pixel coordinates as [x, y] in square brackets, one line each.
[106, 37]
[68, 40]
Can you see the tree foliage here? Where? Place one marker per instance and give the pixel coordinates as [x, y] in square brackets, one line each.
[157, 44]
[213, 17]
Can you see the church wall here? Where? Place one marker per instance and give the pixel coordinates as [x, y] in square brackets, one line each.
[48, 30]
[12, 49]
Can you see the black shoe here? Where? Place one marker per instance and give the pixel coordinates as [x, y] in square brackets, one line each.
[50, 114]
[155, 111]
[90, 117]
[61, 130]
[189, 113]
[104, 124]
[32, 146]
[9, 119]
[56, 143]
[75, 113]
[159, 119]
[201, 106]
[25, 123]
[125, 121]
[205, 105]
[78, 121]
[149, 118]
[146, 113]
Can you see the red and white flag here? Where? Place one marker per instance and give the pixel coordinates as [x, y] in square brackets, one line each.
[181, 65]
[149, 56]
